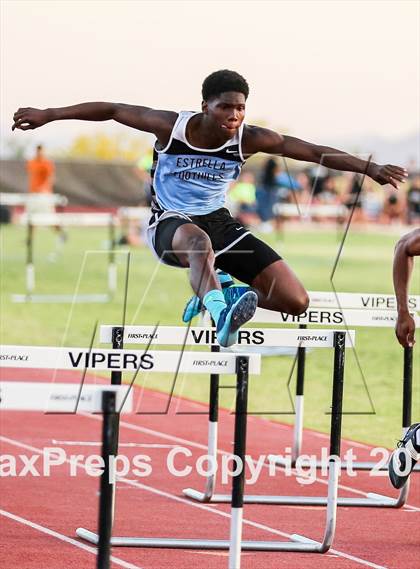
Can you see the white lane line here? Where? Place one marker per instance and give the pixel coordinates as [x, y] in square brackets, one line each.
[197, 505]
[64, 538]
[98, 444]
[187, 442]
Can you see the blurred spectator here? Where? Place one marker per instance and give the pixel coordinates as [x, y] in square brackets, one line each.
[353, 198]
[131, 230]
[317, 175]
[242, 200]
[328, 193]
[142, 170]
[413, 201]
[40, 186]
[394, 208]
[266, 193]
[40, 173]
[372, 202]
[304, 195]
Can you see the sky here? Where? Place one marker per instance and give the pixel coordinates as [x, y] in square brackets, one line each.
[320, 70]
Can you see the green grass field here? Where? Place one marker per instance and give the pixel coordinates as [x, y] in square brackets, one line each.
[157, 294]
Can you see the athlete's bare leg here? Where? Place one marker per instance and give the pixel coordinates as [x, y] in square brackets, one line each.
[279, 289]
[193, 248]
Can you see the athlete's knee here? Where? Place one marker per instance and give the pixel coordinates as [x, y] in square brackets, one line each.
[199, 243]
[299, 304]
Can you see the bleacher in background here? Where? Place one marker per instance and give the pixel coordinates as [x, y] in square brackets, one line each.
[85, 184]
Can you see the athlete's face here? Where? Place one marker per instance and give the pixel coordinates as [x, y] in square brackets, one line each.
[227, 111]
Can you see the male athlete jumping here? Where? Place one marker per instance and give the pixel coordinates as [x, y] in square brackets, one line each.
[197, 156]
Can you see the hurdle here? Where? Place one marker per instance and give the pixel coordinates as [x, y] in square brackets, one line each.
[70, 398]
[173, 335]
[368, 304]
[325, 316]
[353, 309]
[119, 360]
[67, 220]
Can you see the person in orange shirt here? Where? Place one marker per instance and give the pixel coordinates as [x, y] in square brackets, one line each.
[40, 173]
[40, 185]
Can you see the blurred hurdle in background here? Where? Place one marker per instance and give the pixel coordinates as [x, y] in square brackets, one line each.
[66, 220]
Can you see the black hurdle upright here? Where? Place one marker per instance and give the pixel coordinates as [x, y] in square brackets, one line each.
[116, 379]
[407, 389]
[300, 381]
[106, 497]
[239, 450]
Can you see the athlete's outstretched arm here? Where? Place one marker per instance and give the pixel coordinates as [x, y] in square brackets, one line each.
[407, 248]
[141, 118]
[263, 140]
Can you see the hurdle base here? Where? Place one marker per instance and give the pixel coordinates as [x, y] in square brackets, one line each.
[279, 461]
[198, 496]
[363, 466]
[297, 543]
[372, 500]
[58, 298]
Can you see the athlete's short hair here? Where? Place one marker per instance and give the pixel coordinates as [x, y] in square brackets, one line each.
[222, 81]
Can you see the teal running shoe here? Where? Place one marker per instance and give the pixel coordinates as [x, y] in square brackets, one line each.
[234, 316]
[194, 306]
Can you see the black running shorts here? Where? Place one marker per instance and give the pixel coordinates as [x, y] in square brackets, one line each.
[238, 252]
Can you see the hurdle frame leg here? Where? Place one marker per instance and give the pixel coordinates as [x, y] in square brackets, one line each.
[212, 440]
[116, 379]
[112, 267]
[107, 483]
[238, 481]
[299, 408]
[30, 267]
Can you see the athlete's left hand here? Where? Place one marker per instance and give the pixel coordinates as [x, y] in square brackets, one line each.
[405, 330]
[388, 174]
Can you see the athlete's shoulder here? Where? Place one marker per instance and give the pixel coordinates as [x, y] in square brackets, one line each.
[164, 118]
[259, 139]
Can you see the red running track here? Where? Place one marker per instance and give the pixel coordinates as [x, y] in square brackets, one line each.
[39, 514]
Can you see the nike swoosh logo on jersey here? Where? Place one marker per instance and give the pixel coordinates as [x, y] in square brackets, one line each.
[231, 151]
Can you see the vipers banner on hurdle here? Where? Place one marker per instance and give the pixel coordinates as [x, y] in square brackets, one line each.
[42, 357]
[269, 337]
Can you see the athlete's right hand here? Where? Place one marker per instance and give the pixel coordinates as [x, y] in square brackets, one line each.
[405, 330]
[29, 118]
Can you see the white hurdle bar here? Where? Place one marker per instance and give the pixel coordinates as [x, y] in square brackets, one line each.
[15, 199]
[171, 335]
[63, 398]
[67, 220]
[363, 300]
